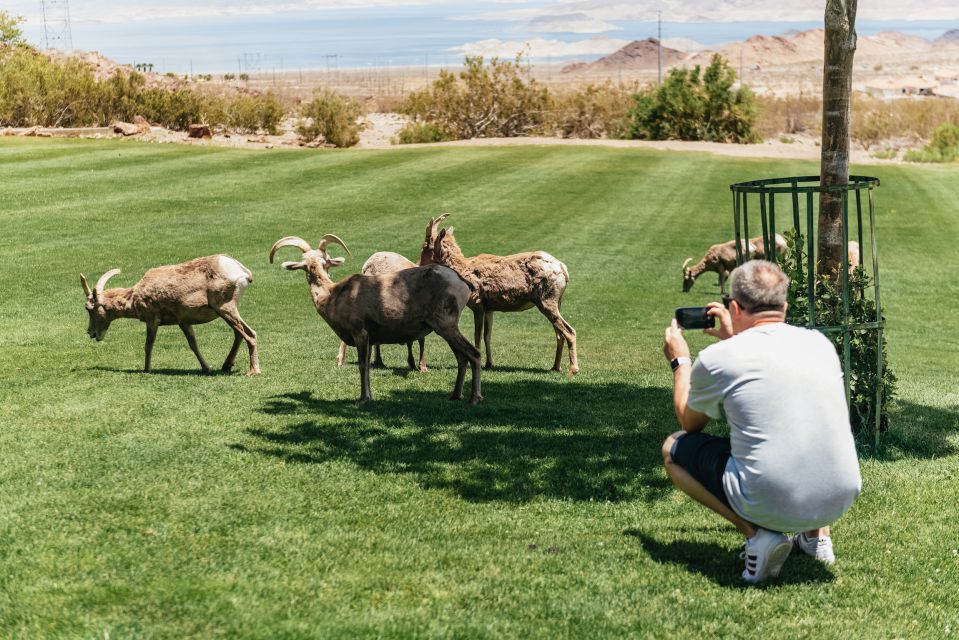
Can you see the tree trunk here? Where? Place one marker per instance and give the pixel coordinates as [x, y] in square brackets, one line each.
[836, 114]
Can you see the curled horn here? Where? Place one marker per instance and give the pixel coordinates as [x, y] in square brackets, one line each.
[102, 282]
[86, 287]
[686, 264]
[290, 241]
[328, 238]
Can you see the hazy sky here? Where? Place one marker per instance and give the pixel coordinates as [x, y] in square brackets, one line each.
[556, 16]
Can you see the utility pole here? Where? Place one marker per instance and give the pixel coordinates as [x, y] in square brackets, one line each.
[659, 47]
[56, 24]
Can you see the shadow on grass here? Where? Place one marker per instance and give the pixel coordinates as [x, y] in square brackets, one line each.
[723, 566]
[169, 372]
[917, 431]
[529, 439]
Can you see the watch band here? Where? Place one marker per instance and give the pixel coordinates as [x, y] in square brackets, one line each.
[676, 363]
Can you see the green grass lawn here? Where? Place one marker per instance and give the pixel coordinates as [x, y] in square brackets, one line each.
[174, 505]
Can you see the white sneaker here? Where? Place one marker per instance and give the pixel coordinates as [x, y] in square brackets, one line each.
[818, 548]
[764, 555]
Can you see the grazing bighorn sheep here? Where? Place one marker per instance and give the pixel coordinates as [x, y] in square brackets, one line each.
[721, 258]
[390, 308]
[855, 258]
[390, 262]
[511, 283]
[186, 294]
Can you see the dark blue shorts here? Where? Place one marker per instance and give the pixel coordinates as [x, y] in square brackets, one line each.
[704, 457]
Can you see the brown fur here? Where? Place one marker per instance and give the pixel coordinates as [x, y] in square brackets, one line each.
[391, 308]
[194, 292]
[721, 259]
[511, 283]
[390, 262]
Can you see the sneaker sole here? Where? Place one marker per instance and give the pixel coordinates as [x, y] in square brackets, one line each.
[777, 558]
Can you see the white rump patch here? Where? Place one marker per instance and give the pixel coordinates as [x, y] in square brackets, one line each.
[232, 270]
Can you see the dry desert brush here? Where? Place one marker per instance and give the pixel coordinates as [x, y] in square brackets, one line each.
[495, 99]
[194, 292]
[332, 118]
[390, 308]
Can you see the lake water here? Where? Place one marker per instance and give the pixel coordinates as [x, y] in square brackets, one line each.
[412, 36]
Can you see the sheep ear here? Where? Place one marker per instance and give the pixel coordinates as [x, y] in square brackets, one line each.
[293, 266]
[336, 262]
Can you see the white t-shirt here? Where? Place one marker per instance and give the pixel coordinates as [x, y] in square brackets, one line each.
[793, 465]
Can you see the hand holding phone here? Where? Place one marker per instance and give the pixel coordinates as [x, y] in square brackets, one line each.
[695, 318]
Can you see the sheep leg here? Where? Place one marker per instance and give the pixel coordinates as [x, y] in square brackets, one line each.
[148, 348]
[550, 309]
[363, 355]
[378, 359]
[341, 355]
[231, 316]
[487, 335]
[560, 341]
[410, 362]
[191, 340]
[231, 357]
[478, 317]
[423, 367]
[464, 352]
[722, 280]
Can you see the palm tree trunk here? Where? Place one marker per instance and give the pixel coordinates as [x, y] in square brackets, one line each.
[840, 42]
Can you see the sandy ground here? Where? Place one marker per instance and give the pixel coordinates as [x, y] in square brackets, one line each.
[379, 130]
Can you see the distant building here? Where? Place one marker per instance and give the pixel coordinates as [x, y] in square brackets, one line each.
[900, 87]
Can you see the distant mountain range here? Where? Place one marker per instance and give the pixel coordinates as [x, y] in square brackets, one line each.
[761, 50]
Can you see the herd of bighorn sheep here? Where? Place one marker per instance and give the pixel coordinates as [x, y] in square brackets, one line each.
[393, 300]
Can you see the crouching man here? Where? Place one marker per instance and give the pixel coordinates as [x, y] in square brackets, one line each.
[789, 464]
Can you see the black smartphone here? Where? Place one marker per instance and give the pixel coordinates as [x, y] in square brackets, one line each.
[695, 318]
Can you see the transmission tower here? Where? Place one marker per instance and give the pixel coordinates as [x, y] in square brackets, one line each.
[56, 24]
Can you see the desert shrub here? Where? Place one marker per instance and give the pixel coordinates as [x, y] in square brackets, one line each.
[485, 100]
[10, 31]
[332, 117]
[695, 105]
[944, 146]
[876, 119]
[788, 115]
[420, 132]
[865, 348]
[252, 114]
[594, 111]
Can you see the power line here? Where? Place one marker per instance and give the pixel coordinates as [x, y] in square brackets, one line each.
[56, 24]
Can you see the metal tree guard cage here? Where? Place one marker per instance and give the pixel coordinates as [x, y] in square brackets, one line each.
[805, 223]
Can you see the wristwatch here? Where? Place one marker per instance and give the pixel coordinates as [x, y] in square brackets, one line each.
[676, 363]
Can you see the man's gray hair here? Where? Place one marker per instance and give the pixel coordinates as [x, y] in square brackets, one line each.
[759, 285]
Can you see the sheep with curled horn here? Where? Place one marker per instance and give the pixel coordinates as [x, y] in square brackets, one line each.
[389, 308]
[194, 292]
[390, 262]
[511, 283]
[721, 259]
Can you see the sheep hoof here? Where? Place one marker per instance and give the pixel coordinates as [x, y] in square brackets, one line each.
[573, 371]
[226, 368]
[364, 400]
[476, 399]
[456, 396]
[424, 369]
[488, 366]
[253, 372]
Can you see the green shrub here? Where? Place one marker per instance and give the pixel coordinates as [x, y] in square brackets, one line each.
[252, 114]
[944, 146]
[331, 117]
[690, 105]
[419, 133]
[10, 31]
[491, 100]
[594, 111]
[864, 346]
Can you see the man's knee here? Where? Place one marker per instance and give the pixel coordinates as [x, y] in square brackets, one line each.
[668, 446]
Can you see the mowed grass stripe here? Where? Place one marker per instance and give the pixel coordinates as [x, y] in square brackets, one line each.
[174, 505]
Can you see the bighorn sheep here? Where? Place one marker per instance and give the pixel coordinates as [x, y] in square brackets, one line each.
[390, 308]
[855, 258]
[390, 262]
[511, 283]
[186, 294]
[721, 258]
